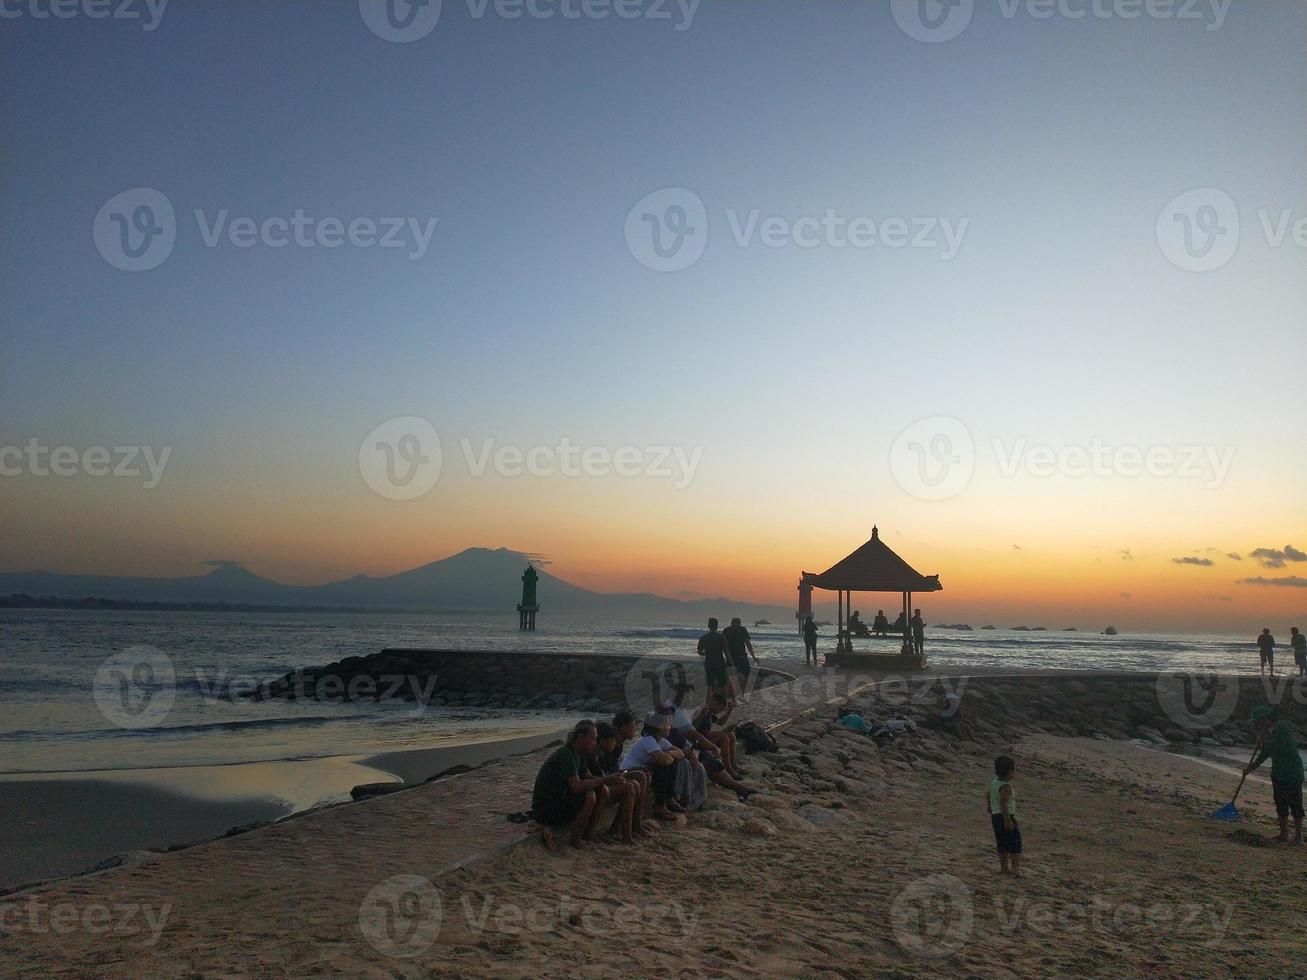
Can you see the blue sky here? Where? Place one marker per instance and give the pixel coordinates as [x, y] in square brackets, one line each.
[1059, 141]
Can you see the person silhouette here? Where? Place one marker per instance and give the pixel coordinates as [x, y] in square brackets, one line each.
[810, 641]
[1266, 645]
[918, 633]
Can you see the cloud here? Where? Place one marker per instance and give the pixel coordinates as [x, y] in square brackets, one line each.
[1125, 554]
[1234, 556]
[1016, 547]
[1203, 562]
[1127, 595]
[1289, 582]
[1276, 557]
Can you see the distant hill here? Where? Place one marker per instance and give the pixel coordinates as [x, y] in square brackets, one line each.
[478, 579]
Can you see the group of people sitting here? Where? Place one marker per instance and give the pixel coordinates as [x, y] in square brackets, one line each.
[663, 771]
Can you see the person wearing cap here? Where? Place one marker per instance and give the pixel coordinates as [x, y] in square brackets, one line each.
[1275, 742]
[652, 752]
[740, 646]
[567, 792]
[705, 764]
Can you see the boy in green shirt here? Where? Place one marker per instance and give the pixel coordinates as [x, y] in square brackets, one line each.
[1001, 805]
[1275, 742]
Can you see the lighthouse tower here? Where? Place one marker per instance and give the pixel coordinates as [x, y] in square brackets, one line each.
[527, 609]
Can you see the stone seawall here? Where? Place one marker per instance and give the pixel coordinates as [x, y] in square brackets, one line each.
[590, 682]
[1165, 709]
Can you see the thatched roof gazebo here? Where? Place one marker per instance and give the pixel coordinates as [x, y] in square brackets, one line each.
[874, 567]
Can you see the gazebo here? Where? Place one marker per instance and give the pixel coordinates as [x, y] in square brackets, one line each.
[874, 567]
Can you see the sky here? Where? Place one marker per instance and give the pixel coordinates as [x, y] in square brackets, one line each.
[686, 300]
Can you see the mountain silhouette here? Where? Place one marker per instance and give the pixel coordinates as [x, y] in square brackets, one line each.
[476, 579]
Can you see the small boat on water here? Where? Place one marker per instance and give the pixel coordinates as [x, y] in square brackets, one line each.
[762, 622]
[1110, 631]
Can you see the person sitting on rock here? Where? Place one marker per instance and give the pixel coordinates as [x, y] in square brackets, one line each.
[657, 756]
[707, 762]
[715, 713]
[567, 792]
[607, 759]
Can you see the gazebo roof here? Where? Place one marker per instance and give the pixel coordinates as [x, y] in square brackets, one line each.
[874, 567]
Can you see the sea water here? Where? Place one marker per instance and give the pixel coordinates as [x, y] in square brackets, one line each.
[50, 720]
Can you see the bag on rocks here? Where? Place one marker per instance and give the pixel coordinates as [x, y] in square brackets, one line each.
[755, 738]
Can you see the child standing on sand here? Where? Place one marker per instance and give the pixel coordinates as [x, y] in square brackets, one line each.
[1001, 804]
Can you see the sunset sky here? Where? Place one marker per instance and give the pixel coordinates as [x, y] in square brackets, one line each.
[804, 389]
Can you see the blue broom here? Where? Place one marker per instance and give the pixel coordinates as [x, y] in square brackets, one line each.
[1230, 813]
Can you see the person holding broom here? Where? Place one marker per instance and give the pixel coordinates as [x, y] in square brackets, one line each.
[1275, 742]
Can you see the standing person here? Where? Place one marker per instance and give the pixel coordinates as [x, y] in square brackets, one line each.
[1001, 804]
[566, 793]
[1299, 642]
[810, 641]
[918, 634]
[740, 646]
[1266, 644]
[712, 647]
[1275, 742]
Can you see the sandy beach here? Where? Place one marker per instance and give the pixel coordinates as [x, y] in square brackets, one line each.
[856, 859]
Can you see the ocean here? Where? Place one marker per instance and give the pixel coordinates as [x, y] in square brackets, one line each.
[50, 720]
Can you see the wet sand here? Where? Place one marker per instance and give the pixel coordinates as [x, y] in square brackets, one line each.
[54, 825]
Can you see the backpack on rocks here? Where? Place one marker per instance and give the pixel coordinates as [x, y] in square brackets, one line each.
[755, 738]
